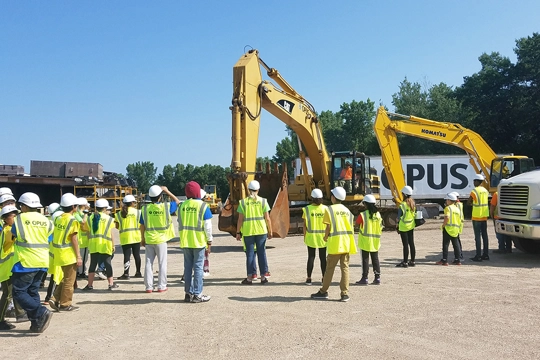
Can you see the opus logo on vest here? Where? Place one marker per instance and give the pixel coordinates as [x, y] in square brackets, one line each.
[155, 212]
[342, 213]
[36, 223]
[317, 214]
[60, 226]
[189, 209]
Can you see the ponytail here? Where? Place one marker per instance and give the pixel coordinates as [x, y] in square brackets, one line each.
[410, 201]
[124, 211]
[95, 221]
[372, 209]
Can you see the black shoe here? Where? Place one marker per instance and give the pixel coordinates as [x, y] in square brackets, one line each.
[477, 259]
[182, 281]
[363, 281]
[264, 281]
[4, 325]
[138, 275]
[411, 263]
[376, 281]
[69, 308]
[187, 298]
[88, 288]
[456, 262]
[319, 295]
[308, 281]
[246, 282]
[402, 264]
[124, 277]
[344, 298]
[485, 257]
[82, 276]
[54, 305]
[43, 322]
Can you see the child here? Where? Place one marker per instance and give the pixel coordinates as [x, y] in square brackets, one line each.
[369, 240]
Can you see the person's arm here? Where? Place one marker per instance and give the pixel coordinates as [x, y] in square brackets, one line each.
[171, 195]
[142, 228]
[471, 198]
[239, 226]
[446, 217]
[268, 224]
[326, 233]
[9, 239]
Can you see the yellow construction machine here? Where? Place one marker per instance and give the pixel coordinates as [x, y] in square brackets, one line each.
[481, 156]
[251, 94]
[211, 198]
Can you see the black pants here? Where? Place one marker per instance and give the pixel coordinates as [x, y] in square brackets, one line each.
[311, 260]
[407, 239]
[127, 250]
[374, 261]
[96, 258]
[455, 244]
[50, 289]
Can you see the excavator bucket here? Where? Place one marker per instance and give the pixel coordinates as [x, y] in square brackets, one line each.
[228, 218]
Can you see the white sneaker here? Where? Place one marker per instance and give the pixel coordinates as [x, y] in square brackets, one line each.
[205, 274]
[101, 276]
[199, 299]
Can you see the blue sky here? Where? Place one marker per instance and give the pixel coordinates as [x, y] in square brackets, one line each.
[116, 82]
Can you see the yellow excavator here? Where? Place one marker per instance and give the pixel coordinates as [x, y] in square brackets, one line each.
[481, 156]
[251, 94]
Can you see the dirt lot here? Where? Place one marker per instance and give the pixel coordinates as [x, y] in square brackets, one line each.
[487, 310]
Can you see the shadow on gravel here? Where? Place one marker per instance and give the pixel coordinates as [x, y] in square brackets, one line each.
[285, 299]
[149, 300]
[19, 332]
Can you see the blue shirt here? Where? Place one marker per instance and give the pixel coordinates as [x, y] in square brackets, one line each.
[173, 205]
[18, 268]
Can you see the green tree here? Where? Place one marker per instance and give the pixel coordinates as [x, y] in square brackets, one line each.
[143, 173]
[332, 129]
[358, 125]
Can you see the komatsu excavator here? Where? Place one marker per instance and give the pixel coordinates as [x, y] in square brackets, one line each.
[481, 156]
[251, 94]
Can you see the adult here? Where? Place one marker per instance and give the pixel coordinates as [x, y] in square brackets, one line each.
[369, 239]
[504, 241]
[255, 226]
[406, 224]
[450, 230]
[314, 229]
[81, 215]
[195, 232]
[31, 231]
[339, 235]
[345, 177]
[100, 244]
[66, 254]
[155, 224]
[127, 223]
[459, 204]
[480, 211]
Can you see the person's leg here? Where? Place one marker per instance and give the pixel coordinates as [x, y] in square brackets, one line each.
[477, 230]
[310, 261]
[189, 262]
[508, 242]
[66, 293]
[198, 263]
[405, 242]
[26, 293]
[260, 240]
[150, 255]
[322, 259]
[331, 262]
[92, 269]
[107, 261]
[344, 265]
[410, 235]
[4, 300]
[162, 261]
[460, 248]
[50, 288]
[249, 242]
[365, 264]
[136, 248]
[376, 264]
[57, 294]
[483, 229]
[445, 243]
[126, 249]
[457, 249]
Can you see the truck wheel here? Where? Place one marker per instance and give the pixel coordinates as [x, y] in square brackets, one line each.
[527, 245]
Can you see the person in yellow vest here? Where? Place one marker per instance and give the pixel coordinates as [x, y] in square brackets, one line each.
[7, 252]
[195, 232]
[54, 210]
[66, 253]
[504, 241]
[450, 230]
[155, 225]
[369, 239]
[255, 226]
[31, 231]
[339, 235]
[405, 228]
[81, 215]
[7, 199]
[480, 212]
[314, 229]
[459, 204]
[100, 244]
[127, 223]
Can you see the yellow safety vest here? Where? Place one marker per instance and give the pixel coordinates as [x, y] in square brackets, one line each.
[82, 236]
[7, 258]
[315, 227]
[460, 207]
[191, 224]
[54, 270]
[253, 211]
[128, 227]
[157, 221]
[341, 238]
[454, 220]
[480, 210]
[406, 222]
[369, 237]
[64, 226]
[101, 240]
[32, 243]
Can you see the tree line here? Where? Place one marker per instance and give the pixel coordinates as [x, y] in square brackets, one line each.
[501, 102]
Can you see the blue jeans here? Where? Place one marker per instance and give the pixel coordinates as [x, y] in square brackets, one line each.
[193, 266]
[260, 241]
[480, 230]
[25, 288]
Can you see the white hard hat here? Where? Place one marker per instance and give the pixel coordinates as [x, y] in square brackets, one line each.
[407, 190]
[339, 193]
[455, 193]
[254, 185]
[5, 190]
[203, 194]
[8, 209]
[451, 197]
[102, 203]
[370, 199]
[31, 200]
[129, 199]
[155, 191]
[316, 194]
[479, 177]
[6, 197]
[56, 214]
[53, 207]
[68, 199]
[82, 201]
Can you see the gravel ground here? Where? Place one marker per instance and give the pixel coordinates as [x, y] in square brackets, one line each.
[487, 310]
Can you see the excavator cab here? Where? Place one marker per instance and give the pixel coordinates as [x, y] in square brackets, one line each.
[351, 170]
[508, 166]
